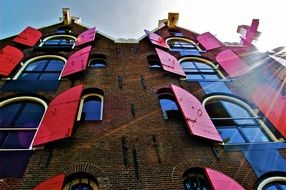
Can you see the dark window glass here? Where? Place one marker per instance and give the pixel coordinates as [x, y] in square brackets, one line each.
[154, 61]
[81, 186]
[19, 115]
[235, 123]
[59, 42]
[212, 87]
[181, 45]
[92, 108]
[275, 186]
[195, 179]
[168, 106]
[97, 63]
[43, 69]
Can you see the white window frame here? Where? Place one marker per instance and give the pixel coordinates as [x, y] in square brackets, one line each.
[270, 180]
[58, 36]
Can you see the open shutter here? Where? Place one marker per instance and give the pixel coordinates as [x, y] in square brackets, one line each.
[77, 62]
[58, 121]
[231, 63]
[209, 41]
[10, 57]
[86, 36]
[272, 105]
[29, 37]
[157, 40]
[195, 115]
[170, 63]
[220, 181]
[54, 183]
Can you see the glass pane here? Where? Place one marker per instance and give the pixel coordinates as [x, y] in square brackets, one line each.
[29, 76]
[230, 135]
[282, 186]
[7, 114]
[81, 186]
[55, 65]
[52, 42]
[270, 187]
[17, 140]
[92, 109]
[167, 104]
[255, 135]
[67, 42]
[187, 64]
[30, 116]
[36, 66]
[49, 76]
[191, 76]
[202, 65]
[211, 77]
[97, 63]
[211, 87]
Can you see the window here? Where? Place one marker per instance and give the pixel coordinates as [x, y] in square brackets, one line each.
[154, 61]
[195, 179]
[19, 120]
[81, 181]
[184, 46]
[58, 41]
[91, 107]
[200, 69]
[97, 61]
[273, 183]
[42, 68]
[64, 30]
[175, 32]
[168, 103]
[236, 122]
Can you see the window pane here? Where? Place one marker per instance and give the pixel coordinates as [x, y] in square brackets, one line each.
[55, 65]
[36, 66]
[52, 42]
[167, 104]
[187, 65]
[255, 135]
[30, 116]
[271, 187]
[49, 76]
[211, 87]
[211, 77]
[203, 65]
[29, 76]
[92, 108]
[191, 76]
[7, 114]
[189, 52]
[17, 140]
[230, 135]
[97, 63]
[67, 42]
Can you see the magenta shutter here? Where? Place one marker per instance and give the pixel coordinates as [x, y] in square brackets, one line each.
[58, 121]
[77, 62]
[209, 41]
[156, 39]
[272, 105]
[196, 117]
[231, 63]
[10, 57]
[54, 183]
[170, 63]
[220, 181]
[29, 37]
[86, 36]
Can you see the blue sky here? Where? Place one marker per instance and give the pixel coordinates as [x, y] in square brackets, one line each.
[128, 18]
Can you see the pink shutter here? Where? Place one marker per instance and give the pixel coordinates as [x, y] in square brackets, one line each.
[54, 183]
[231, 63]
[86, 36]
[220, 181]
[272, 105]
[170, 63]
[58, 121]
[29, 37]
[77, 62]
[10, 57]
[196, 117]
[209, 41]
[157, 40]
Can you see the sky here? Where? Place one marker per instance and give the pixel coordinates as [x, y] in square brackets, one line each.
[129, 18]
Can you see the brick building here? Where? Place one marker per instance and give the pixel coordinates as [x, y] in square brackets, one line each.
[172, 110]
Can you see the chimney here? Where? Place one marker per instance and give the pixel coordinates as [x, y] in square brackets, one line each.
[173, 19]
[67, 16]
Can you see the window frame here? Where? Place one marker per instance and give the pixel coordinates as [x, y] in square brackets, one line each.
[198, 173]
[29, 61]
[196, 47]
[79, 180]
[57, 36]
[268, 180]
[23, 99]
[244, 105]
[165, 92]
[207, 62]
[100, 57]
[80, 109]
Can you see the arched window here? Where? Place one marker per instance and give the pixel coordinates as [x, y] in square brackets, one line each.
[97, 61]
[273, 183]
[154, 61]
[81, 181]
[200, 69]
[19, 120]
[184, 46]
[48, 67]
[236, 121]
[168, 103]
[58, 41]
[91, 107]
[195, 179]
